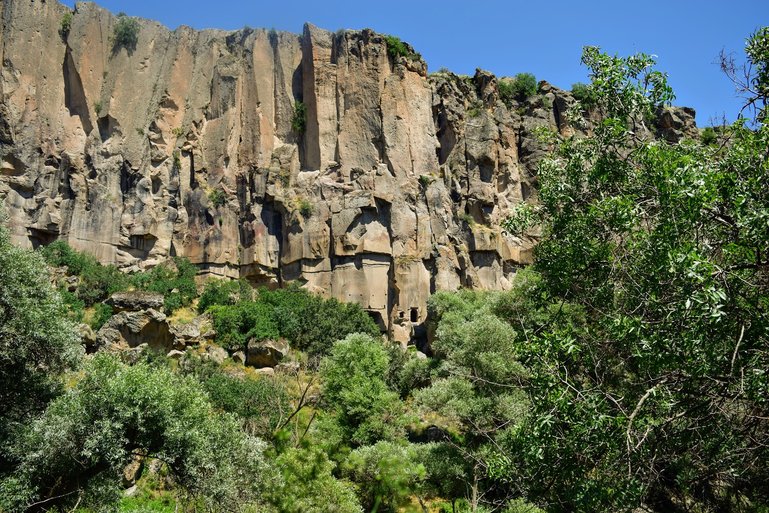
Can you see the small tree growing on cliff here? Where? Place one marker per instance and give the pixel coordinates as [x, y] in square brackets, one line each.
[126, 33]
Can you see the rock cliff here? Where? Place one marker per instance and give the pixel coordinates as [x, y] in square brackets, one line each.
[389, 186]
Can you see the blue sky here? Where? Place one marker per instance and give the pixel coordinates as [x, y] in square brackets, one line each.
[508, 37]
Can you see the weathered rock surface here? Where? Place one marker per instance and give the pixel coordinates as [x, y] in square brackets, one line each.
[135, 300]
[266, 353]
[194, 333]
[394, 190]
[131, 329]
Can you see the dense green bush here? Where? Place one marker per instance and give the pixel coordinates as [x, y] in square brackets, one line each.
[355, 390]
[311, 323]
[387, 474]
[87, 436]
[66, 24]
[237, 324]
[126, 33]
[396, 47]
[708, 136]
[37, 340]
[583, 93]
[261, 404]
[101, 314]
[174, 279]
[520, 87]
[299, 118]
[308, 485]
[224, 293]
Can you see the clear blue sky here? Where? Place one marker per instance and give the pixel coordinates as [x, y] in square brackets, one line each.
[508, 37]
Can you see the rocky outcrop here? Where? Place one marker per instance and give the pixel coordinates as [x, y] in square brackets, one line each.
[187, 146]
[266, 353]
[135, 300]
[131, 329]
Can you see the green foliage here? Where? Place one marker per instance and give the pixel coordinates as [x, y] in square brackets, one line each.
[261, 404]
[648, 321]
[97, 107]
[66, 24]
[309, 322]
[174, 279]
[519, 88]
[125, 33]
[583, 93]
[387, 474]
[224, 293]
[708, 136]
[217, 198]
[237, 324]
[354, 388]
[305, 208]
[309, 486]
[37, 341]
[101, 314]
[116, 411]
[397, 48]
[299, 118]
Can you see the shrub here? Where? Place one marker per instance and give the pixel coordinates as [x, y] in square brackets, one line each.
[235, 325]
[97, 282]
[66, 24]
[97, 107]
[224, 292]
[116, 411]
[519, 88]
[311, 323]
[354, 388]
[308, 484]
[175, 280]
[261, 404]
[397, 48]
[126, 33]
[583, 93]
[101, 314]
[708, 136]
[387, 474]
[305, 209]
[299, 119]
[37, 341]
[217, 197]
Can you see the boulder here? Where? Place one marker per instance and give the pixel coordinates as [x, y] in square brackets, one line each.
[239, 357]
[216, 354]
[194, 333]
[287, 368]
[175, 354]
[266, 353]
[131, 329]
[135, 300]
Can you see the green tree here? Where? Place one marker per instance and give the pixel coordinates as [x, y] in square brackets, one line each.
[126, 33]
[354, 389]
[309, 486]
[387, 475]
[74, 453]
[478, 388]
[37, 341]
[656, 393]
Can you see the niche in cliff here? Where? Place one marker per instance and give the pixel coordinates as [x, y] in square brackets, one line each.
[74, 94]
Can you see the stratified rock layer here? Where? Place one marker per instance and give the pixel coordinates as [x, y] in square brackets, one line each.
[184, 146]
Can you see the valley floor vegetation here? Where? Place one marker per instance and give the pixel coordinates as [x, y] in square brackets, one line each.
[626, 370]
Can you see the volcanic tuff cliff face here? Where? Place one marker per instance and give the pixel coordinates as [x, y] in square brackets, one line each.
[394, 190]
